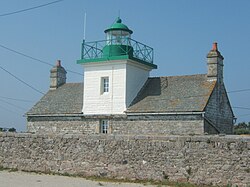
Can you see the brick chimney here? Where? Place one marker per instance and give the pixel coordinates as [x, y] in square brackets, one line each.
[215, 64]
[57, 76]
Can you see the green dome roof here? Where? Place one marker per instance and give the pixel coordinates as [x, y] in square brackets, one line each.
[118, 25]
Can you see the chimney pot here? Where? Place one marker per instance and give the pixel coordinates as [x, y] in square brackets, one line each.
[57, 76]
[215, 47]
[58, 63]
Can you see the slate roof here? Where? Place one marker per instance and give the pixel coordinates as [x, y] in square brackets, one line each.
[67, 99]
[159, 94]
[173, 94]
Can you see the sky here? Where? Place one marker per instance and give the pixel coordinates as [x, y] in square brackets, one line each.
[180, 31]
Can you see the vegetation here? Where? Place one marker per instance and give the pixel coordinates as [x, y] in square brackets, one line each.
[100, 180]
[12, 130]
[242, 128]
[7, 129]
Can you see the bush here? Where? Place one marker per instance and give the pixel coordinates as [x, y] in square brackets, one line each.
[242, 128]
[12, 130]
[242, 131]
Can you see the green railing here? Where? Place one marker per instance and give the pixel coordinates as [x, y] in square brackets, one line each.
[94, 50]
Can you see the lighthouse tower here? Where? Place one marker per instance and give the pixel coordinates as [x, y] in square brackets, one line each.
[115, 70]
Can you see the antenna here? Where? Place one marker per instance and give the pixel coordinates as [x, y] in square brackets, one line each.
[84, 25]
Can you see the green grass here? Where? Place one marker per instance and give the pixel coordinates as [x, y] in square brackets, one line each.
[99, 179]
[13, 170]
[146, 182]
[3, 168]
[8, 169]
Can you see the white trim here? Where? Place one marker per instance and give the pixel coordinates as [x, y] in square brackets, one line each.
[122, 61]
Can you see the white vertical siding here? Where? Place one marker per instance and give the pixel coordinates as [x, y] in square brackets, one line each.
[125, 81]
[136, 78]
[96, 102]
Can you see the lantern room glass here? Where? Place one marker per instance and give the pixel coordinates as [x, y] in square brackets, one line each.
[118, 37]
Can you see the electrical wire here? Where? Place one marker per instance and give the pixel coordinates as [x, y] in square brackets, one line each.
[236, 91]
[11, 104]
[16, 99]
[28, 9]
[239, 107]
[6, 109]
[244, 115]
[20, 80]
[35, 59]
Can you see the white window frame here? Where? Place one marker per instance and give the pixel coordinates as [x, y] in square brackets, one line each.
[105, 85]
[104, 126]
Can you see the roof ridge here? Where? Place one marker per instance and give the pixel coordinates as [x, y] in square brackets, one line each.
[180, 76]
[74, 83]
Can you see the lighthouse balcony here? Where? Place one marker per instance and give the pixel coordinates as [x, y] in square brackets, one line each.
[117, 49]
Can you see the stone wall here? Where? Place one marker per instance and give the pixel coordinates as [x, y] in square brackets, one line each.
[55, 125]
[219, 111]
[217, 160]
[127, 125]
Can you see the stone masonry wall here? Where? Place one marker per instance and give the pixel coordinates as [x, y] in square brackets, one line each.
[148, 124]
[219, 111]
[48, 125]
[217, 160]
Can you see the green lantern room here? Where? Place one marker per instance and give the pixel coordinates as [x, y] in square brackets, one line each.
[118, 45]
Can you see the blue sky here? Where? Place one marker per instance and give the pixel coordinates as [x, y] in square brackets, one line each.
[180, 31]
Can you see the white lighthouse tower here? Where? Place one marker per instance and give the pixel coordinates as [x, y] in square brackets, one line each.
[115, 70]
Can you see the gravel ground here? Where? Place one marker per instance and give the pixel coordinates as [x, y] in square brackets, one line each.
[22, 179]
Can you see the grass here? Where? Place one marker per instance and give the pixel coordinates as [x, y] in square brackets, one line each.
[13, 170]
[146, 182]
[8, 169]
[99, 179]
[4, 169]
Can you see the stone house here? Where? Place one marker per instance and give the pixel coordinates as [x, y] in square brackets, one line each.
[119, 97]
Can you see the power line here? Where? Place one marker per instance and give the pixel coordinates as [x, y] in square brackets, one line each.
[243, 90]
[21, 80]
[36, 59]
[244, 108]
[13, 105]
[6, 109]
[27, 56]
[16, 99]
[244, 115]
[31, 8]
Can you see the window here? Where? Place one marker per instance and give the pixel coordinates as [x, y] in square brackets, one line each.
[105, 84]
[104, 126]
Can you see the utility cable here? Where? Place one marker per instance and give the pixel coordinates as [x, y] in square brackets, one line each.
[31, 8]
[11, 111]
[20, 80]
[21, 108]
[238, 107]
[244, 115]
[16, 99]
[243, 90]
[36, 59]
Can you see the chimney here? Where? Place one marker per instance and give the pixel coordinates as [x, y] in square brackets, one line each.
[215, 64]
[57, 76]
